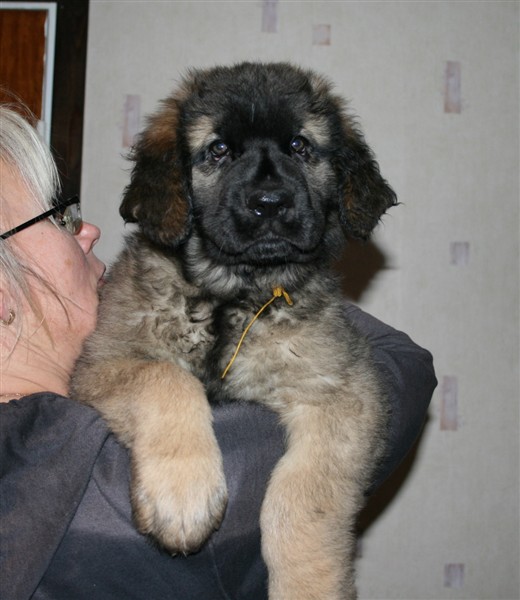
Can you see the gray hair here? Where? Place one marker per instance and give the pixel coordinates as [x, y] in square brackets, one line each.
[25, 154]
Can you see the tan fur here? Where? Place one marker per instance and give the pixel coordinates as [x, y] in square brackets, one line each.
[172, 314]
[331, 407]
[316, 129]
[200, 133]
[157, 408]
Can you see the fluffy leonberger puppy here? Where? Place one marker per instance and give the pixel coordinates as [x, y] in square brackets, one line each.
[245, 185]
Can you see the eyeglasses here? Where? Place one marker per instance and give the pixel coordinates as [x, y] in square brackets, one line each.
[68, 214]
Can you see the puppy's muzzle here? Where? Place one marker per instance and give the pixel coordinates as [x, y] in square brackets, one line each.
[268, 205]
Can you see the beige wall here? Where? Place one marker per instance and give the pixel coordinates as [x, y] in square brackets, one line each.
[451, 252]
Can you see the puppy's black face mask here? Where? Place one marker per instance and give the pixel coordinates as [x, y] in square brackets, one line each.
[261, 189]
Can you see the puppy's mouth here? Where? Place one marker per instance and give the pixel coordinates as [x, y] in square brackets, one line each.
[266, 251]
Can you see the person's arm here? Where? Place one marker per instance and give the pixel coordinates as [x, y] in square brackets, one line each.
[408, 373]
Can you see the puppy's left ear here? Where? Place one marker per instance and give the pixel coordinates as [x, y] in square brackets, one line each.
[365, 194]
[157, 198]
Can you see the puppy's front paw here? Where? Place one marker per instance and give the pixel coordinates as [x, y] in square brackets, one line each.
[180, 499]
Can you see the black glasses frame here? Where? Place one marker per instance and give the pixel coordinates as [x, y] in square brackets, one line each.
[58, 209]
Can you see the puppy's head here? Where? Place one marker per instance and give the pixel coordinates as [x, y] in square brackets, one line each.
[229, 132]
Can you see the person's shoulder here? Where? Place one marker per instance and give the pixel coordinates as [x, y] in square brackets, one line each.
[41, 402]
[47, 420]
[49, 447]
[44, 405]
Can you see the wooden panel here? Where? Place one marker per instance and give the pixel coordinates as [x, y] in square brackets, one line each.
[68, 88]
[22, 54]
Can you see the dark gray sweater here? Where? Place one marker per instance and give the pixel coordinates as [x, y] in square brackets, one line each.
[66, 531]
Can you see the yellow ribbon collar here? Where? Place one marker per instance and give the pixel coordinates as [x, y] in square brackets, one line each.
[278, 292]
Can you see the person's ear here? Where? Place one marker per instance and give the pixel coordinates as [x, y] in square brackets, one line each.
[7, 314]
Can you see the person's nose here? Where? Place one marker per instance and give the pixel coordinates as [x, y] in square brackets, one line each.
[88, 236]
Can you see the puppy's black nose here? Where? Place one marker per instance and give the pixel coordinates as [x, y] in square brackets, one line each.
[269, 204]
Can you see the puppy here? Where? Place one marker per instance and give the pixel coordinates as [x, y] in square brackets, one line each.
[245, 185]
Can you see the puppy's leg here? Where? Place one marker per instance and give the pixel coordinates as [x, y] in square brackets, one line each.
[310, 507]
[160, 412]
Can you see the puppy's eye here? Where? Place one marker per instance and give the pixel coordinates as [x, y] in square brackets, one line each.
[300, 145]
[219, 149]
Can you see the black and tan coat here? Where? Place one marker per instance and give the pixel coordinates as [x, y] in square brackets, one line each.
[246, 182]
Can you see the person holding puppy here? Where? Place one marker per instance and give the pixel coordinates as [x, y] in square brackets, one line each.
[65, 519]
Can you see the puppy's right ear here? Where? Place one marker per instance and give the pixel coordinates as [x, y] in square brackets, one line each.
[157, 196]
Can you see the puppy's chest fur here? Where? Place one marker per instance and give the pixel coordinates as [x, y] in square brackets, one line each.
[202, 334]
[164, 317]
[290, 352]
[284, 351]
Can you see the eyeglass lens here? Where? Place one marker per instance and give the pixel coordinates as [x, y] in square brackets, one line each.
[71, 218]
